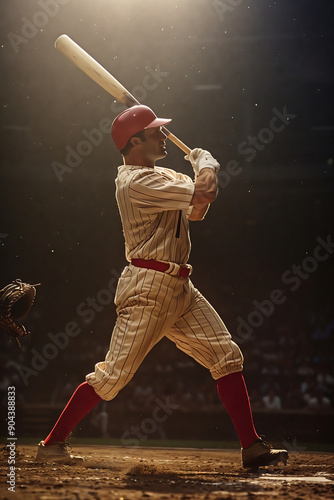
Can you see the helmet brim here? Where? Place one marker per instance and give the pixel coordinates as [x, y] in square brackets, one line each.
[158, 122]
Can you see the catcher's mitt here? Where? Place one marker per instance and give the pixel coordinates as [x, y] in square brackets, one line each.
[16, 300]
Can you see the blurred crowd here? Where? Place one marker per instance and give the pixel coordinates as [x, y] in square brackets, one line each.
[288, 366]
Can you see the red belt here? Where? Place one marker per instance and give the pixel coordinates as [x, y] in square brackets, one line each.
[182, 271]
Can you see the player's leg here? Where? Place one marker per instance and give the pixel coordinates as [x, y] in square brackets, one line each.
[202, 334]
[147, 306]
[82, 402]
[54, 447]
[142, 321]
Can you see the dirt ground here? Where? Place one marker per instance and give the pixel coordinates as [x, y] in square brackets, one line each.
[165, 473]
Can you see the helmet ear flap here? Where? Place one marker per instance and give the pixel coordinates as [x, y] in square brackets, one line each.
[134, 120]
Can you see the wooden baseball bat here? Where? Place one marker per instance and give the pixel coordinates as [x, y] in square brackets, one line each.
[103, 78]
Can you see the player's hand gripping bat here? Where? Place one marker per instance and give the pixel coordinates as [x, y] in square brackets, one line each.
[101, 76]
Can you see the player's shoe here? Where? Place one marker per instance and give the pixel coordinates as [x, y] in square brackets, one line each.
[261, 453]
[57, 452]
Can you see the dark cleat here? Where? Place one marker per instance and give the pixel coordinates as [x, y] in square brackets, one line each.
[261, 454]
[57, 452]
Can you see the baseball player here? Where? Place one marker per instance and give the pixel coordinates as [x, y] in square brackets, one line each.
[155, 297]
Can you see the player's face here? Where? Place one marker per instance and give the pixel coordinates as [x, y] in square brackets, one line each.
[155, 145]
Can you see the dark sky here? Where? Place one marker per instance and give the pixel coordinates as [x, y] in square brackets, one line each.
[229, 77]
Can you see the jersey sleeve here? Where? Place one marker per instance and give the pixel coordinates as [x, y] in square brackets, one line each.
[184, 177]
[152, 191]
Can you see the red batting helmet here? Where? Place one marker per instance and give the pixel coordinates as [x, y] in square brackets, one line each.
[133, 120]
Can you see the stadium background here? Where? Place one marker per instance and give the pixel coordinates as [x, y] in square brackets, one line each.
[221, 74]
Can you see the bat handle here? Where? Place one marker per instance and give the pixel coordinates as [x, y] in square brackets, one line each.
[176, 141]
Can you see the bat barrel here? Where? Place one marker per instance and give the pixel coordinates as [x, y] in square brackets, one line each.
[94, 70]
[102, 77]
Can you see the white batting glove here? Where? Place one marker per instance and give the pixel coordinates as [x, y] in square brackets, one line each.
[200, 158]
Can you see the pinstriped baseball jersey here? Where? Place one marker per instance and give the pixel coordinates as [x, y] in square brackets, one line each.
[154, 204]
[150, 201]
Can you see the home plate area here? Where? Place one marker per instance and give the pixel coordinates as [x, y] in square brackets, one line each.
[122, 473]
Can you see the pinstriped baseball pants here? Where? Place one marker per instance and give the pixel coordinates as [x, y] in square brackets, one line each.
[152, 305]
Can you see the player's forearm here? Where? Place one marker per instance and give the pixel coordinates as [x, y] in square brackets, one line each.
[198, 212]
[206, 188]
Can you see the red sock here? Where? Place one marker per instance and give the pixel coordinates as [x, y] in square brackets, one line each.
[82, 402]
[234, 396]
